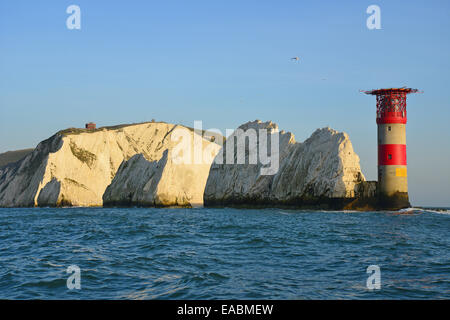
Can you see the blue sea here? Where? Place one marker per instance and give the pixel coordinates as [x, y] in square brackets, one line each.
[141, 253]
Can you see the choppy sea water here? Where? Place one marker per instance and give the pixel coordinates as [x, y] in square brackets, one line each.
[223, 254]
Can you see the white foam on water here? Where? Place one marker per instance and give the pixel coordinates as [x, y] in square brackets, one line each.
[410, 209]
[422, 210]
[446, 212]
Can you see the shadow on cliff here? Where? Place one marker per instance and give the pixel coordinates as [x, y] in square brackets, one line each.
[20, 181]
[120, 194]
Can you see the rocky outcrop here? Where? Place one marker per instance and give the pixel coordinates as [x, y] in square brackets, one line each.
[163, 182]
[74, 168]
[323, 171]
[143, 165]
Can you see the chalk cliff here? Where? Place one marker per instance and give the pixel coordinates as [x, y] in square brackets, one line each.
[323, 171]
[163, 182]
[142, 164]
[74, 168]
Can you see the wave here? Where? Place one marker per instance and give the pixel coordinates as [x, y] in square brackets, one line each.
[432, 210]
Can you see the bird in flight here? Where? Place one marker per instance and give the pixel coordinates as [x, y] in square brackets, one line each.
[295, 58]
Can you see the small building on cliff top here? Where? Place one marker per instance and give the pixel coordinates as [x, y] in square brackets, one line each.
[91, 126]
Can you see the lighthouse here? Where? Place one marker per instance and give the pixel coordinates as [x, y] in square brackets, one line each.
[392, 171]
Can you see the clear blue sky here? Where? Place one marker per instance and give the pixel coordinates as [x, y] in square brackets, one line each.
[228, 62]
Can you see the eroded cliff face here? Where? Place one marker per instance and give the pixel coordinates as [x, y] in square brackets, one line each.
[163, 182]
[139, 165]
[75, 167]
[322, 171]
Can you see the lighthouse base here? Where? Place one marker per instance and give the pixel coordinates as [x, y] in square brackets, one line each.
[396, 201]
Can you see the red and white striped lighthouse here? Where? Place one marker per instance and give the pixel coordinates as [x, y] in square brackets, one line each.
[392, 172]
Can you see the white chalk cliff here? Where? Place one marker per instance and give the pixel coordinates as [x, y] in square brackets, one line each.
[323, 170]
[75, 167]
[143, 164]
[163, 182]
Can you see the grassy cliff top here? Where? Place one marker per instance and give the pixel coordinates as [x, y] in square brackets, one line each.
[71, 131]
[74, 131]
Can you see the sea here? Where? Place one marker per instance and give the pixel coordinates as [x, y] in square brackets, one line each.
[173, 253]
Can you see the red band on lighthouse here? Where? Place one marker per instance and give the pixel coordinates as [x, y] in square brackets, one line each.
[384, 117]
[392, 155]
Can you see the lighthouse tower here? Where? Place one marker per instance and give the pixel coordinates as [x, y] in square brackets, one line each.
[392, 172]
